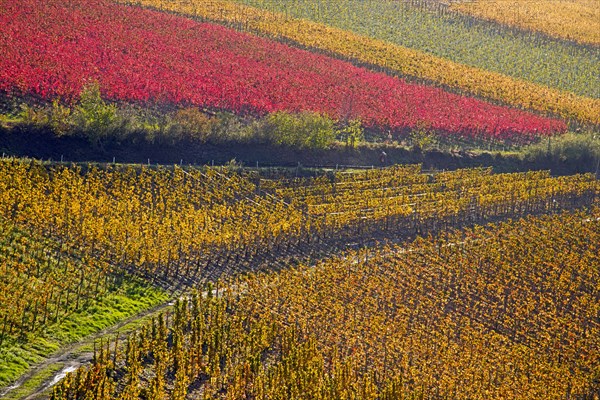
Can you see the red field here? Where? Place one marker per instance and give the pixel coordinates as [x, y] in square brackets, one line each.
[53, 48]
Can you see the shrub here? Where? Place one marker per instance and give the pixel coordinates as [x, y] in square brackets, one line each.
[93, 117]
[304, 130]
[34, 116]
[191, 124]
[422, 138]
[352, 133]
[60, 119]
[578, 147]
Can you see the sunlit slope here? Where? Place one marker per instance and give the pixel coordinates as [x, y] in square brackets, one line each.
[52, 48]
[508, 312]
[392, 57]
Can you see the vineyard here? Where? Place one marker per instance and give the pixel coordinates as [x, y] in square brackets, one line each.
[522, 56]
[179, 223]
[416, 70]
[390, 55]
[260, 199]
[182, 227]
[467, 315]
[42, 281]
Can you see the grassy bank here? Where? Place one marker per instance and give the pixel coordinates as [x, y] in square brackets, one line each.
[126, 300]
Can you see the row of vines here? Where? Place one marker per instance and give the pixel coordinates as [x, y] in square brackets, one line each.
[503, 311]
[67, 232]
[575, 20]
[354, 30]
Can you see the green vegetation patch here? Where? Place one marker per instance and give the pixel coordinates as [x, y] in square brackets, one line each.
[33, 383]
[128, 299]
[102, 123]
[131, 298]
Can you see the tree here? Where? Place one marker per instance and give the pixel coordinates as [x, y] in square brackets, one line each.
[95, 119]
[304, 130]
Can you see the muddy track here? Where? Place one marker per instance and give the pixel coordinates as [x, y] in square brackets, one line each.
[72, 357]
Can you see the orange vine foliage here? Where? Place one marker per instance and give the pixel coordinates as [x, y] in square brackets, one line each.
[67, 231]
[503, 311]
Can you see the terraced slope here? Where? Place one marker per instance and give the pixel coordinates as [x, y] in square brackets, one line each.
[389, 57]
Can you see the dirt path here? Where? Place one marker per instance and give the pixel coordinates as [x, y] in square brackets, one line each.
[72, 356]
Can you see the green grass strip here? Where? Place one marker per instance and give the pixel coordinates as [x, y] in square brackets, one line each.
[129, 299]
